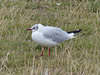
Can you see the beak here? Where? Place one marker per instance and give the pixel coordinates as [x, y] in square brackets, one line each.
[28, 29]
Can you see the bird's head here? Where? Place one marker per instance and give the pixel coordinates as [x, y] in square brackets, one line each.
[35, 27]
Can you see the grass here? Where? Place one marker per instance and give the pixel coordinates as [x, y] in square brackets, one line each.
[79, 56]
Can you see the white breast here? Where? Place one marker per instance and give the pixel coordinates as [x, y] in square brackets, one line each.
[38, 38]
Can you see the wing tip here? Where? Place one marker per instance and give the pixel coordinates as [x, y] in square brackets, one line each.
[75, 31]
[79, 30]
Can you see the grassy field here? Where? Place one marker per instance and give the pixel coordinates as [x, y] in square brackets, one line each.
[79, 56]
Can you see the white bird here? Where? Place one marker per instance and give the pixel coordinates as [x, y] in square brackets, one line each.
[48, 36]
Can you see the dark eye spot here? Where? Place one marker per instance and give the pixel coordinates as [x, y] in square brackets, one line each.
[34, 28]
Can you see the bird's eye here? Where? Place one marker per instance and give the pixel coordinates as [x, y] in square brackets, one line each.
[34, 28]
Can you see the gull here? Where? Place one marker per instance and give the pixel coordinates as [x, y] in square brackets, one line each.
[48, 36]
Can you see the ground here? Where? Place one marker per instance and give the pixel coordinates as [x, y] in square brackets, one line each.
[78, 56]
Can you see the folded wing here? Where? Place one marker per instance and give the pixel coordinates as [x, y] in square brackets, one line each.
[55, 34]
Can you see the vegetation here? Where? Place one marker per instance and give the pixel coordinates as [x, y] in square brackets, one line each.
[79, 56]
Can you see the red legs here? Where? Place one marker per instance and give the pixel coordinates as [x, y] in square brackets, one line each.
[49, 52]
[42, 51]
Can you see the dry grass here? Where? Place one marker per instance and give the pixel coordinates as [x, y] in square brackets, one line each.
[79, 56]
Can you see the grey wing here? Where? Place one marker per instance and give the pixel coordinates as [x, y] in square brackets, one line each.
[55, 34]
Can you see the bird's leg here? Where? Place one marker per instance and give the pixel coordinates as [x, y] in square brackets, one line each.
[42, 51]
[49, 52]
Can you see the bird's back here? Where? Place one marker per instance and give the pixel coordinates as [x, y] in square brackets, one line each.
[55, 34]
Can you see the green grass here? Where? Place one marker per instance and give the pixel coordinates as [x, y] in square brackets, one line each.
[79, 56]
